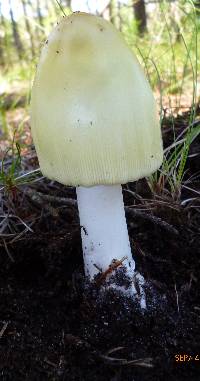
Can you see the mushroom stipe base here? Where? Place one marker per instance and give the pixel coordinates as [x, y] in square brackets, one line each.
[105, 239]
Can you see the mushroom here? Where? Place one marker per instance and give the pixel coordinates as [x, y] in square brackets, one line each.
[95, 126]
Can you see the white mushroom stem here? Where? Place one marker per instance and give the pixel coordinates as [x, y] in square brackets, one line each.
[105, 236]
[103, 228]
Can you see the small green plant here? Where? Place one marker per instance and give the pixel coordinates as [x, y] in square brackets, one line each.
[11, 172]
[168, 180]
[8, 172]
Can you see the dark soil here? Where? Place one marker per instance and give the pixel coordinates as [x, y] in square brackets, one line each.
[55, 326]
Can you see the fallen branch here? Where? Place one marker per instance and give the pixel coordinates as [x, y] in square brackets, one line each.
[155, 220]
[39, 198]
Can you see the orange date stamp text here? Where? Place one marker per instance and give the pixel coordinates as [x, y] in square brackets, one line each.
[186, 357]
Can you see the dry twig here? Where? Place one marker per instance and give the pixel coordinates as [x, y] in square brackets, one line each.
[146, 362]
[155, 220]
[3, 329]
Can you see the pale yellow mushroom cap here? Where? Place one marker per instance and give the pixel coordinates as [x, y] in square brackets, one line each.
[93, 114]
